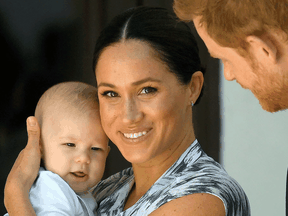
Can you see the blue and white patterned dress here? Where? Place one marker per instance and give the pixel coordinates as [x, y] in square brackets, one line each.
[194, 172]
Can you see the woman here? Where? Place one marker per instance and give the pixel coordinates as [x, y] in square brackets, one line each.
[148, 76]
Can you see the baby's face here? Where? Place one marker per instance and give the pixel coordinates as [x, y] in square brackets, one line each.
[75, 147]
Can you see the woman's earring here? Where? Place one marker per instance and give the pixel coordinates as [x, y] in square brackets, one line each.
[192, 103]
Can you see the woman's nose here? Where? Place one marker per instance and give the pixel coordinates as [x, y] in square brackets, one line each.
[83, 157]
[228, 72]
[131, 111]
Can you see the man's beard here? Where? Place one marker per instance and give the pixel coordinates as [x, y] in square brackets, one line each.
[270, 104]
[271, 91]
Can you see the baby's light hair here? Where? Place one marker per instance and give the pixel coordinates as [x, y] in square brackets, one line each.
[67, 96]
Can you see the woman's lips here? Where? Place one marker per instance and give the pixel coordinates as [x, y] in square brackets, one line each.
[134, 135]
[137, 136]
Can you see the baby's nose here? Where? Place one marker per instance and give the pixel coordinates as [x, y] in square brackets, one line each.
[83, 158]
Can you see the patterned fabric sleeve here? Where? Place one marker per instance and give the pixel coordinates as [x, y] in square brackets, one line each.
[194, 172]
[209, 177]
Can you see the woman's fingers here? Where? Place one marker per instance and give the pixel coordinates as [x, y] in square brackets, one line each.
[27, 164]
[33, 132]
[31, 156]
[24, 171]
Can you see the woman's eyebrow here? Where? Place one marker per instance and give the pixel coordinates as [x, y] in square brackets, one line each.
[148, 79]
[106, 84]
[139, 82]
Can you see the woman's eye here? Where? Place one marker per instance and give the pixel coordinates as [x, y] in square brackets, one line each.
[148, 90]
[70, 144]
[110, 94]
[95, 148]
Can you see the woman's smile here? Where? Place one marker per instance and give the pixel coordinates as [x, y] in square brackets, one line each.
[143, 105]
[136, 137]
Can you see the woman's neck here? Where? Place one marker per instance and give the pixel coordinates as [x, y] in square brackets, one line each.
[148, 173]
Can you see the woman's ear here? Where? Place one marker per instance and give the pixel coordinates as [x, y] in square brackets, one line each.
[195, 86]
[108, 150]
[263, 48]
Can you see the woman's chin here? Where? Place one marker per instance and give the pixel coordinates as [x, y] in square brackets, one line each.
[136, 157]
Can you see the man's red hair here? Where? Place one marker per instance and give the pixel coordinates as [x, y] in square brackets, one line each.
[229, 22]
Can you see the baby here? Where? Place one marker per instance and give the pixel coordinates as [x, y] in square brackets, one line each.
[74, 148]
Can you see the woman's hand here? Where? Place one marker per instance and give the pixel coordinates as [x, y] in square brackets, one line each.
[24, 173]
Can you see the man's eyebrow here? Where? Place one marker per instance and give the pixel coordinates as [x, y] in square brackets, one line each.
[148, 79]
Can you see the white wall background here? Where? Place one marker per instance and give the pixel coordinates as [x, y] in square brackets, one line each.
[254, 148]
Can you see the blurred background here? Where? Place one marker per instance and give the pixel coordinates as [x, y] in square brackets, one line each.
[47, 42]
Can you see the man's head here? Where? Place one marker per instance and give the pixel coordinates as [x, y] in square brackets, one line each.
[250, 37]
[73, 143]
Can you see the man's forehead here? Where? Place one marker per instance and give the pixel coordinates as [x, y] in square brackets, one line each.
[204, 35]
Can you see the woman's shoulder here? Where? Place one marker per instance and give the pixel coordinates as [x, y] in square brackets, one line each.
[214, 176]
[196, 173]
[193, 173]
[205, 175]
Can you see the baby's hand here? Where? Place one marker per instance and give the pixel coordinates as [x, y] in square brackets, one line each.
[26, 166]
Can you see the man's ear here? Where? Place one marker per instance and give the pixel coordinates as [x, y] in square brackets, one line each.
[195, 86]
[263, 48]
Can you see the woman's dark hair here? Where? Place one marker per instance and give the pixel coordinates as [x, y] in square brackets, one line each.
[161, 29]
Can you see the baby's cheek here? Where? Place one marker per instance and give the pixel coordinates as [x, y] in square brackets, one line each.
[98, 169]
[56, 163]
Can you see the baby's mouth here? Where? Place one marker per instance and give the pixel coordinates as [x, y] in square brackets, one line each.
[78, 174]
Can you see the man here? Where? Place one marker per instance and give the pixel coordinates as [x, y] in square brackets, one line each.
[250, 37]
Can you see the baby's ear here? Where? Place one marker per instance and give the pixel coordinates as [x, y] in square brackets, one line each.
[42, 153]
[41, 147]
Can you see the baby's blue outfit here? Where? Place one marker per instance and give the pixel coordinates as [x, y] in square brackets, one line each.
[51, 195]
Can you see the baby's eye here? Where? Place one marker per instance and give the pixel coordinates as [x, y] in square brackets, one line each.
[148, 90]
[95, 149]
[70, 144]
[110, 94]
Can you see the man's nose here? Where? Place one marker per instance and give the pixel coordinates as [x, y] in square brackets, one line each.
[228, 72]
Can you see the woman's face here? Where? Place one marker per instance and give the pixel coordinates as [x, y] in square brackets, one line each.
[144, 109]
